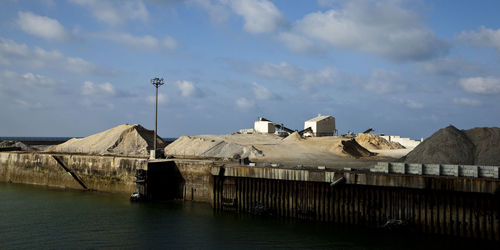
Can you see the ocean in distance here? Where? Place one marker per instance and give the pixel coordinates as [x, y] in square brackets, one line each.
[38, 217]
[50, 139]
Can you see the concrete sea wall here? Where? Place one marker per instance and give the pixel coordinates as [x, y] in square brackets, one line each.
[102, 173]
[464, 207]
[180, 179]
[464, 204]
[463, 201]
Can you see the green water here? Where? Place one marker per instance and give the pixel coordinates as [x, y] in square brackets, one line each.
[48, 218]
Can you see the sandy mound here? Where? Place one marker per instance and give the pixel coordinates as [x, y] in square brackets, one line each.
[487, 142]
[452, 146]
[192, 146]
[374, 142]
[269, 148]
[232, 151]
[352, 148]
[15, 144]
[293, 137]
[132, 140]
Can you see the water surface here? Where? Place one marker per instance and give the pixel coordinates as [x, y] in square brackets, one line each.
[48, 218]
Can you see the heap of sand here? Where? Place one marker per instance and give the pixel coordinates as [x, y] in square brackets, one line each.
[292, 150]
[450, 145]
[375, 142]
[210, 147]
[127, 140]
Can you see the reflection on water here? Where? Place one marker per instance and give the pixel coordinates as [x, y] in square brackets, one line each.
[40, 217]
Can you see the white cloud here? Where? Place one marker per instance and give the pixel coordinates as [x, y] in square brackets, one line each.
[283, 70]
[244, 103]
[48, 3]
[162, 99]
[104, 89]
[298, 43]
[326, 3]
[27, 104]
[296, 75]
[217, 12]
[261, 92]
[466, 101]
[28, 90]
[483, 37]
[380, 81]
[20, 82]
[188, 89]
[480, 85]
[451, 67]
[383, 81]
[261, 16]
[413, 104]
[146, 42]
[169, 43]
[42, 26]
[115, 12]
[15, 54]
[39, 80]
[409, 103]
[382, 28]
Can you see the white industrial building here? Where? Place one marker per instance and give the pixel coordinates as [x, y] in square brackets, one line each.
[405, 141]
[321, 126]
[263, 127]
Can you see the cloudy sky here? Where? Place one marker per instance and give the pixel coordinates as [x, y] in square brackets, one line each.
[77, 67]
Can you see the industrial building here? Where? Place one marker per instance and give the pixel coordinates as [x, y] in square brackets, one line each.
[264, 127]
[321, 126]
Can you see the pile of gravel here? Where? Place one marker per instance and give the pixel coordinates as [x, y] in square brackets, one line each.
[487, 145]
[450, 145]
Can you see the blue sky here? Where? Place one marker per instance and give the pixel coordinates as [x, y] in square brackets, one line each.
[76, 67]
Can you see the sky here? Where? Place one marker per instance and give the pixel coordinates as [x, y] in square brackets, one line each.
[77, 67]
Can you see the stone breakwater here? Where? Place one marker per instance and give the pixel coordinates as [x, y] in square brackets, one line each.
[103, 173]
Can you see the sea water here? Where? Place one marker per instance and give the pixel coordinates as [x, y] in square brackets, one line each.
[50, 218]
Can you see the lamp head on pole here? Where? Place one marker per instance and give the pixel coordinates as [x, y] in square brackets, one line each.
[157, 82]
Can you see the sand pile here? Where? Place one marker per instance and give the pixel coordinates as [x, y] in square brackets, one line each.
[230, 150]
[191, 146]
[268, 148]
[352, 148]
[374, 142]
[293, 137]
[130, 140]
[15, 144]
[450, 145]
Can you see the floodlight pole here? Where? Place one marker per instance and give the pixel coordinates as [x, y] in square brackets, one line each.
[157, 82]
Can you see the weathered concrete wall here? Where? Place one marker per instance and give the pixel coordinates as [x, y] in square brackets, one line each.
[460, 206]
[460, 184]
[198, 182]
[181, 179]
[471, 171]
[103, 173]
[474, 215]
